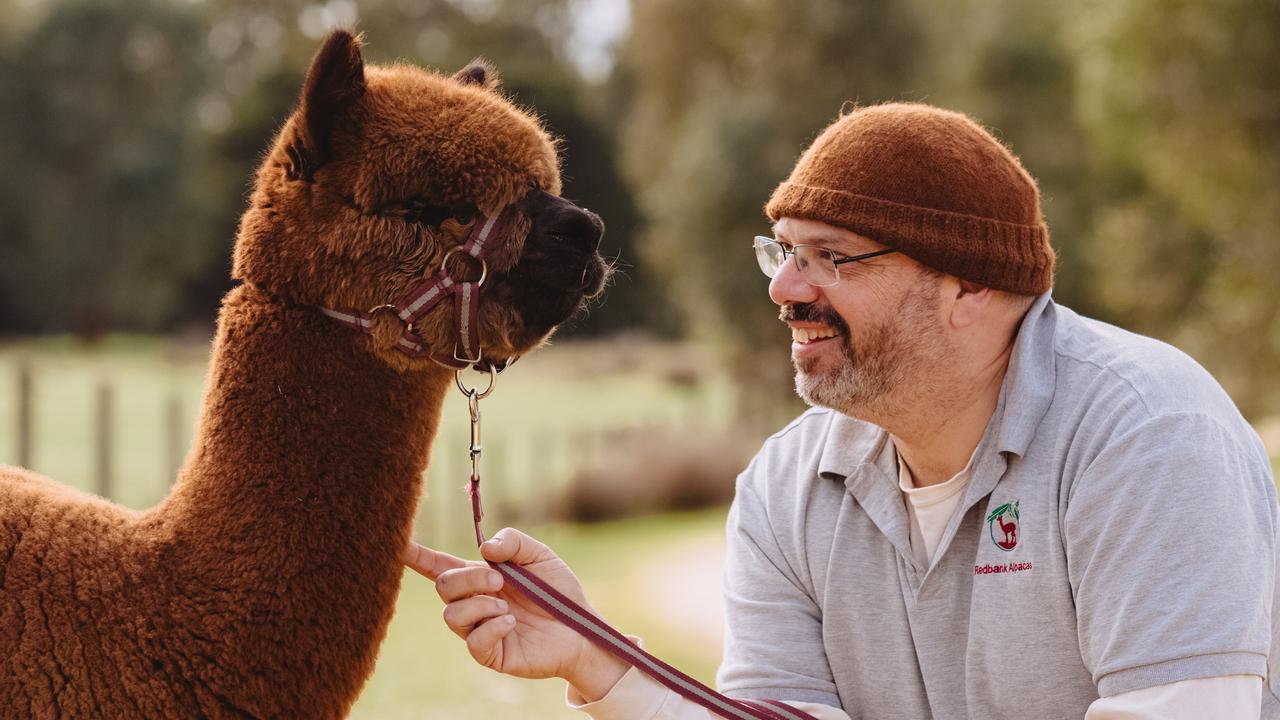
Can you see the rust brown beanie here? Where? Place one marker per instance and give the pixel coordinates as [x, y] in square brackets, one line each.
[931, 184]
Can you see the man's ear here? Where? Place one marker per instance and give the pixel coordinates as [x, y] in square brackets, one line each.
[970, 302]
[334, 81]
[479, 72]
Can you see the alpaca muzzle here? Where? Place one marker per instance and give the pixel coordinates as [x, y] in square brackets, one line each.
[560, 264]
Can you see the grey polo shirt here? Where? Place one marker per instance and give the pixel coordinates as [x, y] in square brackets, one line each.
[1119, 532]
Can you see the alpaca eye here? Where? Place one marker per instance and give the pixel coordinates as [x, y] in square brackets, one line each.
[463, 213]
[421, 212]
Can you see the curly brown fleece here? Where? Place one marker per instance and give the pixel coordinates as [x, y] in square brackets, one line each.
[263, 584]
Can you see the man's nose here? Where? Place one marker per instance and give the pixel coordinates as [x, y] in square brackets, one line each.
[788, 286]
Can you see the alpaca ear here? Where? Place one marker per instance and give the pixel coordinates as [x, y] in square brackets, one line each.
[479, 72]
[334, 81]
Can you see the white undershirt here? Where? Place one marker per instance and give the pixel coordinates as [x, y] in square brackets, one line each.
[930, 508]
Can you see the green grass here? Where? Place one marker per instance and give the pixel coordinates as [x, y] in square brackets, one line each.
[424, 671]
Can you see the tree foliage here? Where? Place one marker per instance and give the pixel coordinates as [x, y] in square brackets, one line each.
[724, 95]
[137, 124]
[95, 131]
[1181, 101]
[130, 128]
[1153, 127]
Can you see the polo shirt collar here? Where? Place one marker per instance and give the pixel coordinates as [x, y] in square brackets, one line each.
[1025, 396]
[1029, 383]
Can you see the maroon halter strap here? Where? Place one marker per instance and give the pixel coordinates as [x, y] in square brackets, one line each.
[435, 289]
[601, 633]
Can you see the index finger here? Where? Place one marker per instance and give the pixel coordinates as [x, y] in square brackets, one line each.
[429, 563]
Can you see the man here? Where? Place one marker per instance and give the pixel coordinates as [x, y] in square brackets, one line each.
[997, 508]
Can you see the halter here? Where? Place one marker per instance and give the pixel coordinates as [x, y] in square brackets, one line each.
[423, 297]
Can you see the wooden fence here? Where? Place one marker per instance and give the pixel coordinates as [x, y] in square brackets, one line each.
[523, 472]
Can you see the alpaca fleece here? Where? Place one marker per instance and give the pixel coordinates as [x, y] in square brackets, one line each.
[263, 584]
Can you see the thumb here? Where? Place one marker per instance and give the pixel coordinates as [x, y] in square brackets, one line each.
[511, 545]
[429, 563]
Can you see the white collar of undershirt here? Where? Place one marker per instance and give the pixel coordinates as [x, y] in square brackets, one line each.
[931, 494]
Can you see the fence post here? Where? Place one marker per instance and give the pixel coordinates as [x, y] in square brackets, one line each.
[173, 435]
[102, 446]
[25, 432]
[494, 469]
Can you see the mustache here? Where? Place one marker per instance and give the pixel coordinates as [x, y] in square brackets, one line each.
[814, 313]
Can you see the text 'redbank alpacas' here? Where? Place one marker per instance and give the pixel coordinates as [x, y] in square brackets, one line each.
[263, 584]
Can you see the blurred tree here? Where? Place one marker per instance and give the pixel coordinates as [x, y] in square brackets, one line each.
[1182, 105]
[95, 143]
[126, 162]
[724, 96]
[1009, 65]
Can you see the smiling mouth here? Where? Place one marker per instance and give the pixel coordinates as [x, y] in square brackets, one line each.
[804, 336]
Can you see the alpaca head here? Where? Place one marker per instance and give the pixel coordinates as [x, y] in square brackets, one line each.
[380, 171]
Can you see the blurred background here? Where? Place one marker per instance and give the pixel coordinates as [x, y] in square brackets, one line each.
[129, 130]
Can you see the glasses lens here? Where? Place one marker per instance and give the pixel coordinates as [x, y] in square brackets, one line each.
[769, 255]
[817, 265]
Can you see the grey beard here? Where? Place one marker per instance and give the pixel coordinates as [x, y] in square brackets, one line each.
[892, 366]
[858, 384]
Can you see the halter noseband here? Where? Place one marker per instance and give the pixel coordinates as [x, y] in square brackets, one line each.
[423, 297]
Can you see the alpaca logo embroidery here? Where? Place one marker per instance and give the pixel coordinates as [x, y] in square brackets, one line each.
[1002, 525]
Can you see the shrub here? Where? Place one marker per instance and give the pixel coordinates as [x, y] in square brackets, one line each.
[650, 470]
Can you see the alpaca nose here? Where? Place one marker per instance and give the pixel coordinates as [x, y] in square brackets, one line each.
[558, 218]
[592, 232]
[560, 250]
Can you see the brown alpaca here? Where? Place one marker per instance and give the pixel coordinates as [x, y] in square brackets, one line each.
[1010, 532]
[263, 584]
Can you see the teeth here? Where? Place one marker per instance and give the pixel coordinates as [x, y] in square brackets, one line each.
[804, 335]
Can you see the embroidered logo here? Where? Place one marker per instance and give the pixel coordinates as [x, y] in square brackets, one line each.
[1002, 525]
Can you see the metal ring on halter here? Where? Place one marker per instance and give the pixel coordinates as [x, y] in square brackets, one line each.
[493, 380]
[376, 308]
[484, 266]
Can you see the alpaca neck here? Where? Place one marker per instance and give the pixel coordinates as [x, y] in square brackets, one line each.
[302, 427]
[297, 501]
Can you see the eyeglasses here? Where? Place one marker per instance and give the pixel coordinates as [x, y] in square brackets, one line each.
[818, 266]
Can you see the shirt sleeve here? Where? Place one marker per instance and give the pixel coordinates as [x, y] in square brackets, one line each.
[1236, 697]
[773, 646]
[639, 697]
[1170, 536]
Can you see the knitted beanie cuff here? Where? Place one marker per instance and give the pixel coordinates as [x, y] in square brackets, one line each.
[992, 253]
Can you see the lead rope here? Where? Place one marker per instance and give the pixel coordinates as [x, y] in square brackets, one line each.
[593, 628]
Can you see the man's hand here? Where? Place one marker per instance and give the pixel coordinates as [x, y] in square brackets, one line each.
[503, 629]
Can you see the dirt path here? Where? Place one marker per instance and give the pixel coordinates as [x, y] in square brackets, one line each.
[688, 597]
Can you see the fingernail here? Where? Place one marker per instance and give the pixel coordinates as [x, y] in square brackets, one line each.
[495, 579]
[508, 619]
[502, 606]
